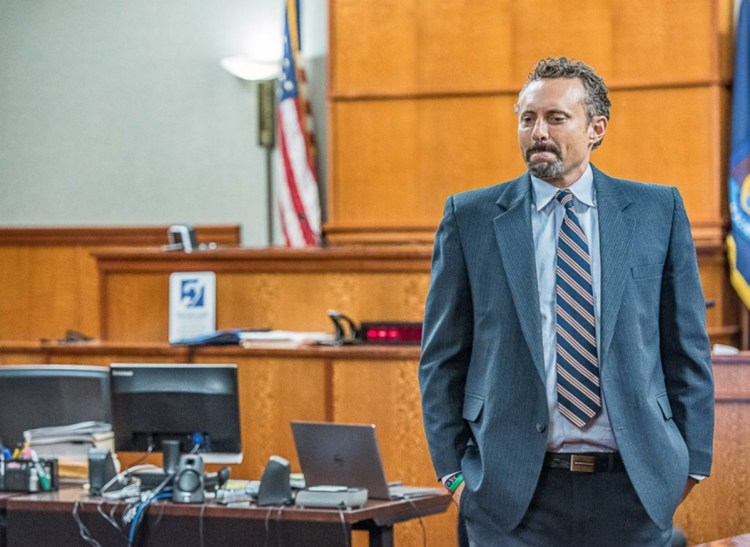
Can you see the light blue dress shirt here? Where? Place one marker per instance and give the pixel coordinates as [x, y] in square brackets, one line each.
[546, 218]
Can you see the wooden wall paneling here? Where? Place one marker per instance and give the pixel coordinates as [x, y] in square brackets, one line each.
[22, 354]
[134, 307]
[40, 288]
[386, 393]
[405, 94]
[720, 506]
[403, 158]
[668, 136]
[725, 45]
[399, 160]
[273, 392]
[437, 46]
[417, 46]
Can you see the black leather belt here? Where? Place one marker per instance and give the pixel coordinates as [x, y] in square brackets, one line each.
[584, 463]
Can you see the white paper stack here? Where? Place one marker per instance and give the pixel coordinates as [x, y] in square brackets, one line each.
[70, 444]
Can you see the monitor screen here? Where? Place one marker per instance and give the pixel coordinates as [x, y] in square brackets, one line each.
[197, 405]
[51, 395]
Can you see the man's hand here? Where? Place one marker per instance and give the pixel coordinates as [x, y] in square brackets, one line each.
[691, 482]
[456, 496]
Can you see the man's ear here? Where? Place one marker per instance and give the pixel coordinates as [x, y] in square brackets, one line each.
[597, 129]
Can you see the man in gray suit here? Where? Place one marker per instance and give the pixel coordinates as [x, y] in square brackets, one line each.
[565, 373]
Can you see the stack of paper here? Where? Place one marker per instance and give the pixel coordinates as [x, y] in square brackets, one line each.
[70, 444]
[296, 337]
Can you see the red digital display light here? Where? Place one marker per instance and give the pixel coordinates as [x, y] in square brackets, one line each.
[391, 332]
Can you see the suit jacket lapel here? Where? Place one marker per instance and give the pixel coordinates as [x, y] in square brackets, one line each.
[515, 242]
[615, 227]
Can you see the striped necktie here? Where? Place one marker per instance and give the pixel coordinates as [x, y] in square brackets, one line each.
[578, 392]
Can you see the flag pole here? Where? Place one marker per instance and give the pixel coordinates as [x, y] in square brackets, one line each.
[266, 139]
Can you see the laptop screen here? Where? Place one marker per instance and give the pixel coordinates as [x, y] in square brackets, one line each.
[340, 455]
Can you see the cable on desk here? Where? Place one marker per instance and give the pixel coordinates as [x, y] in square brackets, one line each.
[141, 508]
[265, 525]
[82, 529]
[156, 494]
[110, 517]
[419, 519]
[278, 524]
[343, 526]
[200, 524]
[149, 450]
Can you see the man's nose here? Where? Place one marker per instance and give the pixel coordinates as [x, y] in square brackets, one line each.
[540, 131]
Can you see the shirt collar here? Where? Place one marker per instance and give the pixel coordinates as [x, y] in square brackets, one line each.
[582, 190]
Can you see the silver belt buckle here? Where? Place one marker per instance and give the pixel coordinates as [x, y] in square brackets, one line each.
[581, 463]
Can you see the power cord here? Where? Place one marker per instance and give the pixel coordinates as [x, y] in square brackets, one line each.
[82, 529]
[200, 524]
[278, 524]
[266, 526]
[110, 517]
[148, 452]
[343, 527]
[139, 511]
[156, 494]
[419, 519]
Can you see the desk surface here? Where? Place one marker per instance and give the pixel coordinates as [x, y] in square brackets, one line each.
[380, 511]
[57, 518]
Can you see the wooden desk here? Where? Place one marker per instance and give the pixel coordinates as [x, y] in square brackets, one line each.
[4, 496]
[42, 520]
[379, 385]
[281, 383]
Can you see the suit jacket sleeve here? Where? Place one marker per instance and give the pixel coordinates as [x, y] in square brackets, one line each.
[446, 347]
[685, 349]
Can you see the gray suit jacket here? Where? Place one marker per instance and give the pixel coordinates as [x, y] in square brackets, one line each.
[482, 372]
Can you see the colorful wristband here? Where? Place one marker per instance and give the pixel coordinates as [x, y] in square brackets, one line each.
[454, 482]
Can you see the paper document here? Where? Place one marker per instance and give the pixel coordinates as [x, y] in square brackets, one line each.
[299, 337]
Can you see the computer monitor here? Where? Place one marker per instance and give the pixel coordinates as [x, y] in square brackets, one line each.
[197, 405]
[35, 396]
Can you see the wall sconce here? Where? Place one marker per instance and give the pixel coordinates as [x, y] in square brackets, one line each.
[265, 73]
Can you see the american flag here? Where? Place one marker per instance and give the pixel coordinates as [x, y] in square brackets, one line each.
[297, 180]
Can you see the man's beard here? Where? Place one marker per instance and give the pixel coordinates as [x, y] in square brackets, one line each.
[545, 170]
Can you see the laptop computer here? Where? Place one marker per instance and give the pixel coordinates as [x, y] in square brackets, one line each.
[347, 455]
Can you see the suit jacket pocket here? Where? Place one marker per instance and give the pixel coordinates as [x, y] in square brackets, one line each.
[473, 405]
[648, 270]
[666, 409]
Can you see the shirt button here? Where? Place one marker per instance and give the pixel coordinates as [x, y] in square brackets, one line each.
[541, 428]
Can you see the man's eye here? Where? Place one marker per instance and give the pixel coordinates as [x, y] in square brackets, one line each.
[558, 119]
[526, 119]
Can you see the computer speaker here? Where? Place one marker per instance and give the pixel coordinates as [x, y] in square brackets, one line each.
[188, 481]
[101, 470]
[275, 488]
[170, 451]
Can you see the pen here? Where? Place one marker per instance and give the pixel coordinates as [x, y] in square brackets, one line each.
[42, 474]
